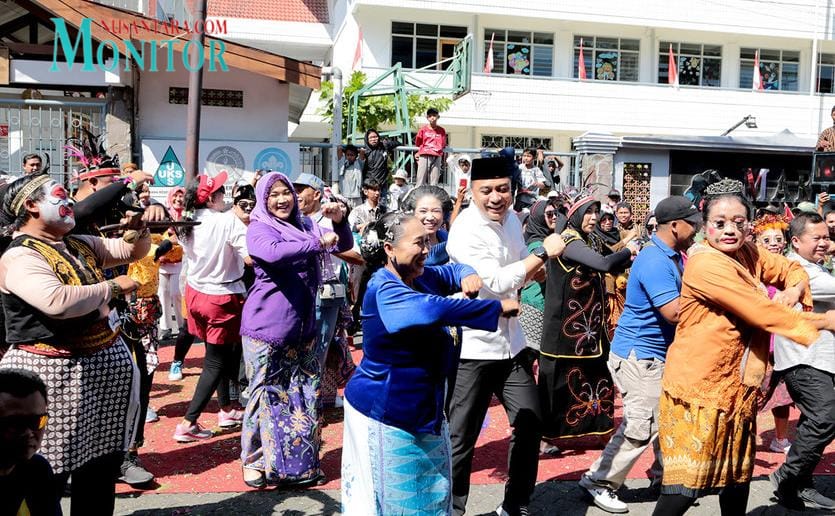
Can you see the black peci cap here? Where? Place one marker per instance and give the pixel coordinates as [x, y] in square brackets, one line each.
[489, 168]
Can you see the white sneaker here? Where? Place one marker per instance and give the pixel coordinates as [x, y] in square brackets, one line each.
[780, 445]
[522, 511]
[603, 497]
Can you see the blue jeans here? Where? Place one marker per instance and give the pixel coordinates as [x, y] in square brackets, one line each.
[327, 311]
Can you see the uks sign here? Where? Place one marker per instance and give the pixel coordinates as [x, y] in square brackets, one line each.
[145, 56]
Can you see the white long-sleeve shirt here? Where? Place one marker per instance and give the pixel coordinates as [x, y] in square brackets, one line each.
[821, 354]
[496, 252]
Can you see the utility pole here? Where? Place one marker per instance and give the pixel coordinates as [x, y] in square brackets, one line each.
[333, 72]
[195, 90]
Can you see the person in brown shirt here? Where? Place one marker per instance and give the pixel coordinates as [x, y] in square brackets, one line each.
[826, 140]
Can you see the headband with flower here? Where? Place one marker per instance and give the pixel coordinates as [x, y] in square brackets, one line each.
[770, 221]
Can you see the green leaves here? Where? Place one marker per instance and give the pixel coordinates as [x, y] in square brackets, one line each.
[377, 112]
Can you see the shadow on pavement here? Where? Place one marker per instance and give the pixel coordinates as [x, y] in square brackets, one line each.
[287, 503]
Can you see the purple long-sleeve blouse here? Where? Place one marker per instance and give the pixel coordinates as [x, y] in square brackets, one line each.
[281, 305]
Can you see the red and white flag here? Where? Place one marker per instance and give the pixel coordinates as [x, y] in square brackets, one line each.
[581, 63]
[488, 63]
[787, 212]
[758, 77]
[358, 53]
[672, 78]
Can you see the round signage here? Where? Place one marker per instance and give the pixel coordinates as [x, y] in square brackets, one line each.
[275, 159]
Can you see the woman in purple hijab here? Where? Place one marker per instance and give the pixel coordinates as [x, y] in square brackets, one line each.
[281, 435]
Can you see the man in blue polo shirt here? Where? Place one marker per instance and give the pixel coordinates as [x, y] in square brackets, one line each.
[645, 330]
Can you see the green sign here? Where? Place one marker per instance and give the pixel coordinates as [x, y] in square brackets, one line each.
[170, 173]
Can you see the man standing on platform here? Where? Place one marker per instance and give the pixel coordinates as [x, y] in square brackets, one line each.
[431, 140]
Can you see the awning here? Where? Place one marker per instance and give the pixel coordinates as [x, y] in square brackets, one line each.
[784, 142]
[235, 55]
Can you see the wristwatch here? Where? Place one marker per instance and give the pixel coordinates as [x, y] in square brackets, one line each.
[540, 253]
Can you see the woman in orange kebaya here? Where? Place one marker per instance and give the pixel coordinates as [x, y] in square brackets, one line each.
[716, 364]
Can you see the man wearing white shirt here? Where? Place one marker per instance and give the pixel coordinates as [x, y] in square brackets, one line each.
[809, 373]
[488, 237]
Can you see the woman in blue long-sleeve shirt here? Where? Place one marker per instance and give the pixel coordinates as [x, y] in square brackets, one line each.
[396, 454]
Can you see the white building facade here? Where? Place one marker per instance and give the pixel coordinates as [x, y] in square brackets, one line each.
[533, 95]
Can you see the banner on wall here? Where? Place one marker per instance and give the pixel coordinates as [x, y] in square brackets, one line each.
[165, 159]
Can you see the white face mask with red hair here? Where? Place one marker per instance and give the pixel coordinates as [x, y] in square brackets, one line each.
[56, 207]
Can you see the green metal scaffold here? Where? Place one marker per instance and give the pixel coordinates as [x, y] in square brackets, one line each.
[400, 84]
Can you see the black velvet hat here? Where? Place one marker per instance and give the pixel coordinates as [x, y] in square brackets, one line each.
[489, 168]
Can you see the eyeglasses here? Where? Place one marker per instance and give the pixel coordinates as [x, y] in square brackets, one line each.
[34, 422]
[246, 205]
[652, 227]
[742, 225]
[550, 213]
[776, 240]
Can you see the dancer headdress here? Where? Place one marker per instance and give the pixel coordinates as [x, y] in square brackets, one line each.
[90, 153]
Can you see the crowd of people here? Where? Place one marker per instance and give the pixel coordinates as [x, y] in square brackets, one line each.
[511, 286]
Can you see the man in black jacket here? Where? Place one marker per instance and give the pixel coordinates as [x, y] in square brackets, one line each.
[376, 165]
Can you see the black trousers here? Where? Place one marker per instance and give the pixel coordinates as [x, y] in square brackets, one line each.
[813, 391]
[219, 367]
[145, 381]
[357, 308]
[183, 344]
[93, 486]
[512, 382]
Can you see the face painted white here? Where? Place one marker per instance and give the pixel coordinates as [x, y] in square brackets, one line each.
[56, 208]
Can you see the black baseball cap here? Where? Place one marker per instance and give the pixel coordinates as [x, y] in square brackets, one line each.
[677, 207]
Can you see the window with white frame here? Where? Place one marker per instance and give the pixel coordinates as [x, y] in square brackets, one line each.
[520, 52]
[778, 68]
[491, 141]
[826, 73]
[698, 65]
[417, 45]
[607, 59]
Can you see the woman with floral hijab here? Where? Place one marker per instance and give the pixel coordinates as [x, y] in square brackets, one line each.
[281, 434]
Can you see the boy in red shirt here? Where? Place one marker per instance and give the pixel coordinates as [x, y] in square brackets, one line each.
[431, 140]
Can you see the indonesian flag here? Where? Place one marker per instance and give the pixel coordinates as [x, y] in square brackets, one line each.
[488, 63]
[358, 52]
[758, 78]
[672, 78]
[581, 64]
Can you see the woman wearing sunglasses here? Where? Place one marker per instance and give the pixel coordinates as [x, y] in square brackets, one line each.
[243, 202]
[614, 240]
